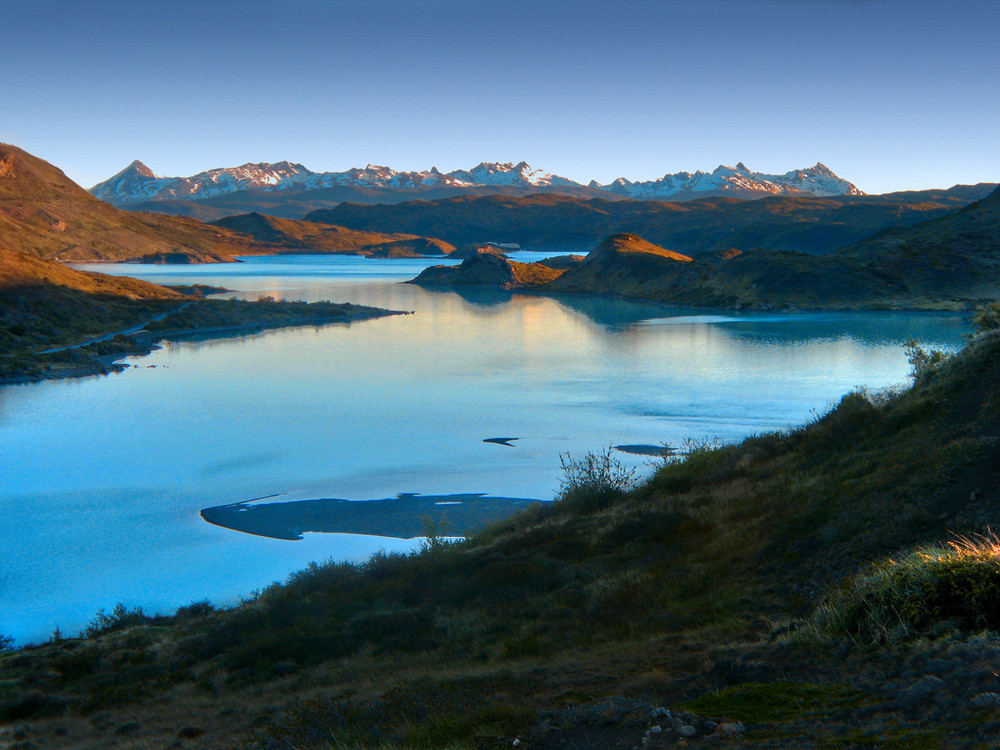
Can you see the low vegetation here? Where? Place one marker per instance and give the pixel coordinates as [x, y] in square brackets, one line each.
[931, 589]
[745, 583]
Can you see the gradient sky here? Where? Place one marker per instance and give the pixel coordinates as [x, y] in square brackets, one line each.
[890, 94]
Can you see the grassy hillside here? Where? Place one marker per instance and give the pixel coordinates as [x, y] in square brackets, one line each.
[723, 589]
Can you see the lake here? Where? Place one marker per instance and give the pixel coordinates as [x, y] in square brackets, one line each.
[103, 478]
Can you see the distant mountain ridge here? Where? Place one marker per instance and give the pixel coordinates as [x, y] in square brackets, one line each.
[137, 184]
[736, 181]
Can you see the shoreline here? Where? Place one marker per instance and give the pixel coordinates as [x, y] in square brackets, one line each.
[145, 342]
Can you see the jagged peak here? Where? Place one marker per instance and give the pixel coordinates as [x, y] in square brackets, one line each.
[136, 168]
[139, 168]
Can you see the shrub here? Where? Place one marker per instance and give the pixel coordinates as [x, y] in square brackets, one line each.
[6, 642]
[957, 585]
[594, 481]
[987, 318]
[921, 360]
[120, 618]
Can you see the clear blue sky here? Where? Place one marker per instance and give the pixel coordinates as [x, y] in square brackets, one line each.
[891, 94]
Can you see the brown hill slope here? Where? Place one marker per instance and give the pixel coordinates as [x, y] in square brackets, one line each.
[705, 226]
[44, 213]
[284, 235]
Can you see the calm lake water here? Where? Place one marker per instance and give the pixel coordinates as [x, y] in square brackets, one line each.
[103, 478]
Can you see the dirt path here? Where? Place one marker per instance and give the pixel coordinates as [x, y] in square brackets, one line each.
[124, 332]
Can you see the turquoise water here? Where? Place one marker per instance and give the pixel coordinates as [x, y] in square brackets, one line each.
[103, 478]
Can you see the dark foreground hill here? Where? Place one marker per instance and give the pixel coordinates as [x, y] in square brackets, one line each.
[729, 599]
[698, 227]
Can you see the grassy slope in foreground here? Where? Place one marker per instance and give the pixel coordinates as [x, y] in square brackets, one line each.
[685, 592]
[45, 305]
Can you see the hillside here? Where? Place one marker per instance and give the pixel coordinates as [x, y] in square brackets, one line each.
[717, 598]
[43, 213]
[957, 254]
[699, 227]
[290, 235]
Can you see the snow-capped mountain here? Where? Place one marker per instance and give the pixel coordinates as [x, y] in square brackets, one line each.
[138, 184]
[737, 181]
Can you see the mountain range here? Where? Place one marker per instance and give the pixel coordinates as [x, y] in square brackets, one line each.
[291, 190]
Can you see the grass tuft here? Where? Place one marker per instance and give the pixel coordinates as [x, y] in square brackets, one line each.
[930, 590]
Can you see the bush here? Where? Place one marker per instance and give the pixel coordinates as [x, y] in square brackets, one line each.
[595, 481]
[957, 585]
[921, 360]
[120, 618]
[987, 318]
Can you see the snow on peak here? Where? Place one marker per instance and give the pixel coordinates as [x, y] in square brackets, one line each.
[137, 183]
[738, 181]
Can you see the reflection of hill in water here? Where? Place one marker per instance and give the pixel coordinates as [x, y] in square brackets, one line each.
[605, 311]
[891, 328]
[871, 327]
[405, 517]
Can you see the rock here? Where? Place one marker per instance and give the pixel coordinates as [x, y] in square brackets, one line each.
[607, 711]
[687, 731]
[986, 700]
[128, 729]
[728, 727]
[921, 689]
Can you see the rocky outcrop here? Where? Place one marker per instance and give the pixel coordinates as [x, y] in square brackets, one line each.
[625, 264]
[419, 247]
[488, 270]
